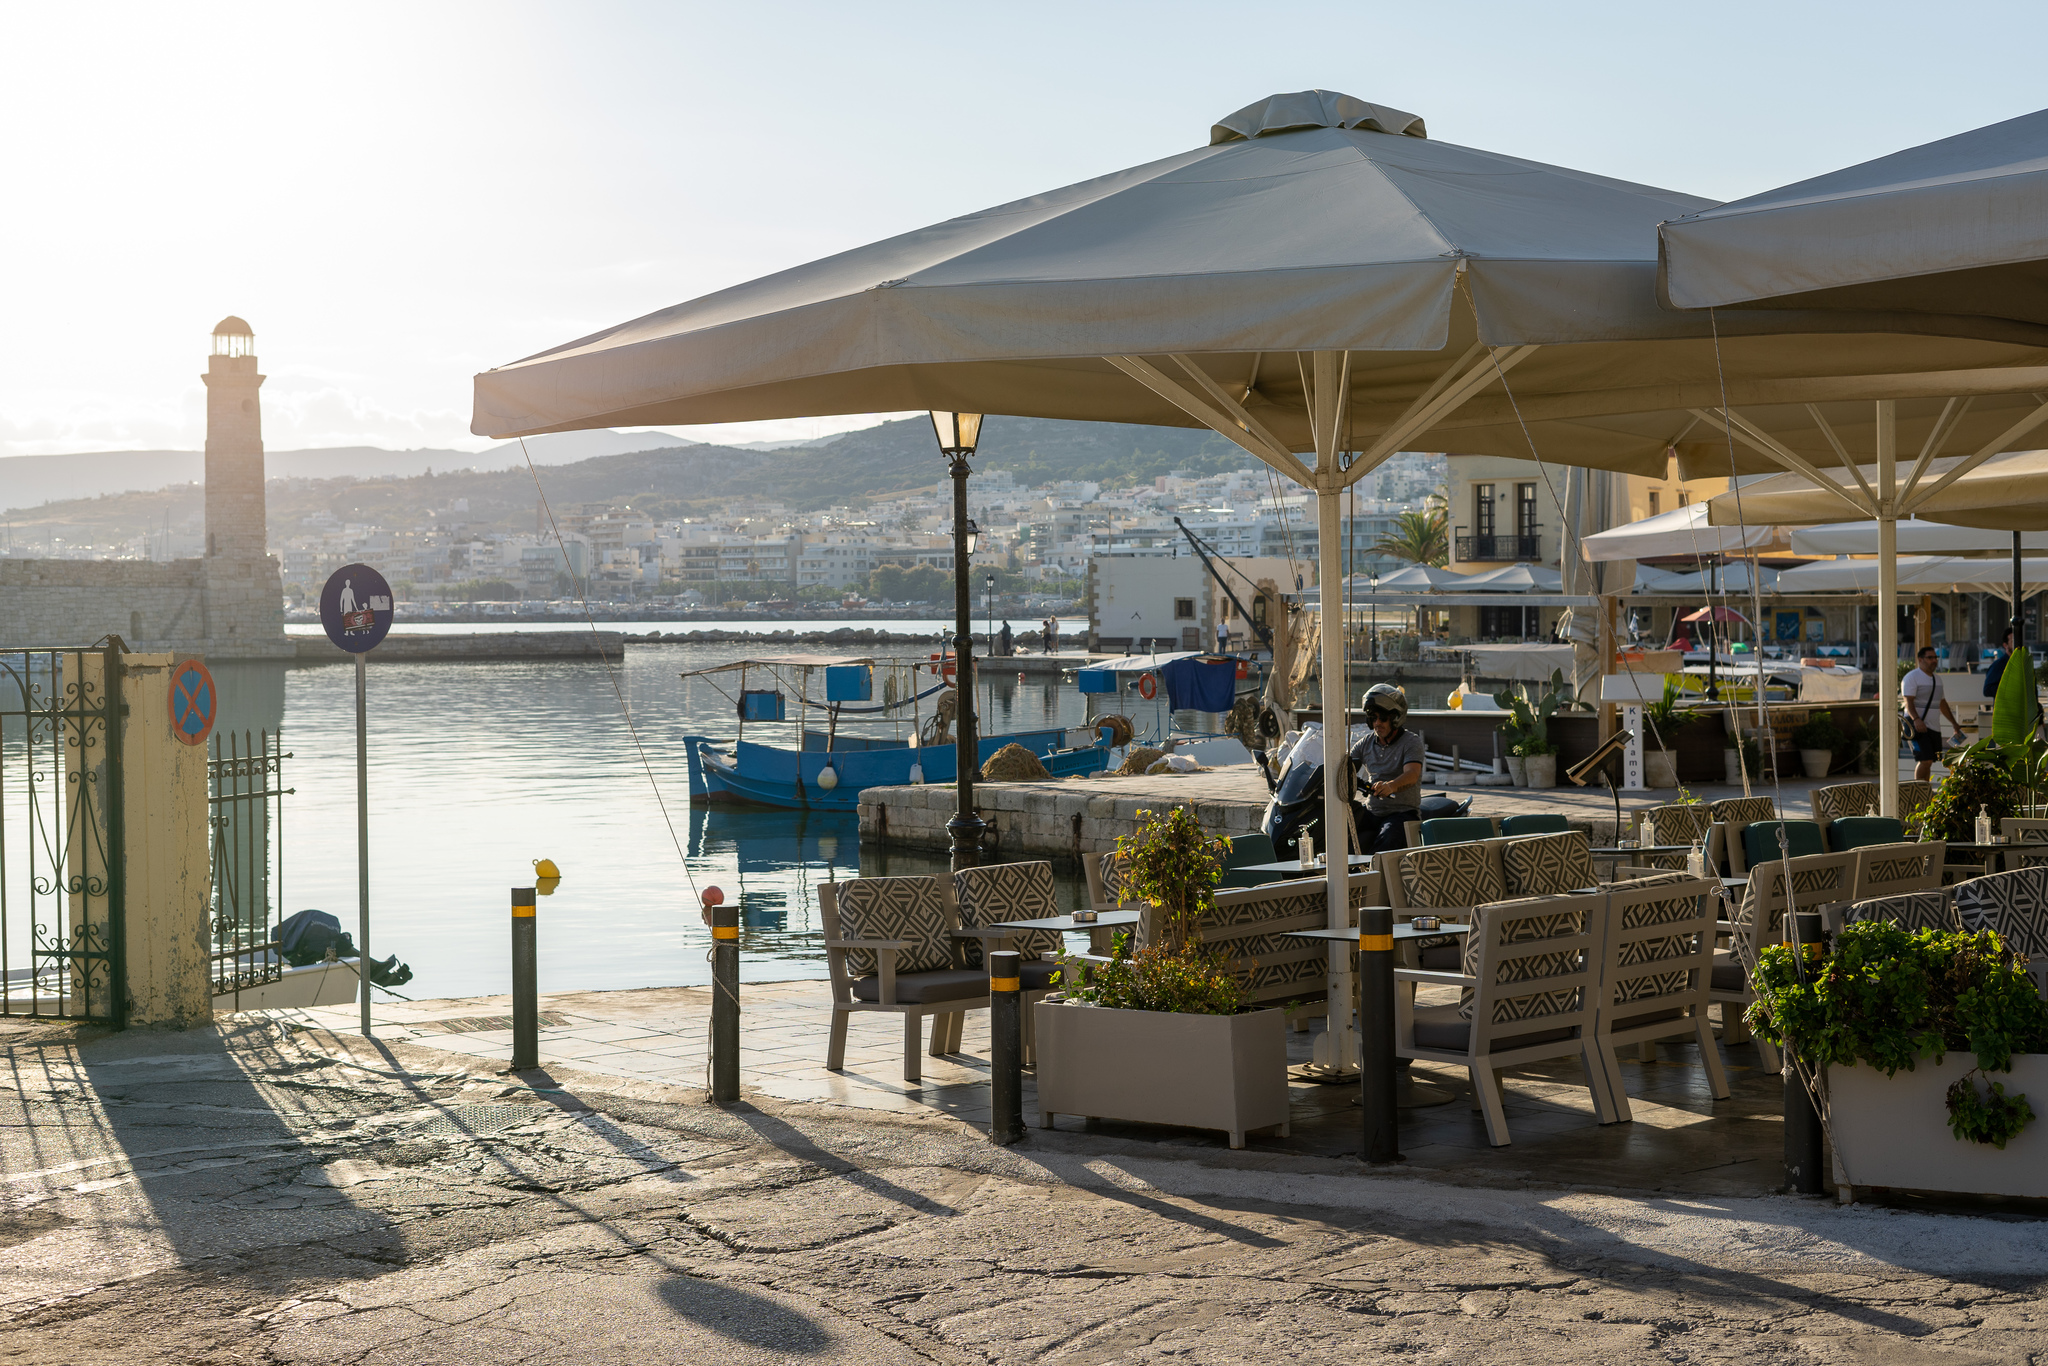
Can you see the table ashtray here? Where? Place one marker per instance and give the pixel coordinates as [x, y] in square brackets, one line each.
[1083, 917]
[1427, 922]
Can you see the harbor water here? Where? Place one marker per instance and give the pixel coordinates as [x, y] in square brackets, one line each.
[478, 769]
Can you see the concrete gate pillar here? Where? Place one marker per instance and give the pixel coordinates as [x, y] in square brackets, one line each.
[166, 874]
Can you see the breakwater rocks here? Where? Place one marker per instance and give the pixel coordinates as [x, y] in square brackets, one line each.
[844, 635]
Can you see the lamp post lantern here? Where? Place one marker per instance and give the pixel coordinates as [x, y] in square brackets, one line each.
[959, 434]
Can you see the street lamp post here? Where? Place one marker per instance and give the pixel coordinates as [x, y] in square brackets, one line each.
[958, 435]
[989, 599]
[1373, 650]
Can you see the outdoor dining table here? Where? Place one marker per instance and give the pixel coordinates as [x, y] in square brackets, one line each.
[1409, 1094]
[1996, 850]
[1292, 867]
[1627, 851]
[1098, 928]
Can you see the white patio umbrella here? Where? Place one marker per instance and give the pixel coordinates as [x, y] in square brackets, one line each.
[1914, 538]
[1515, 578]
[1927, 573]
[1681, 531]
[1320, 278]
[1424, 576]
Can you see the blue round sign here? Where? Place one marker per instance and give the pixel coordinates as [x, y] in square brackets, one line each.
[355, 607]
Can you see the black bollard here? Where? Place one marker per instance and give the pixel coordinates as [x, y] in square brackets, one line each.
[1006, 1049]
[525, 998]
[725, 1004]
[1376, 1064]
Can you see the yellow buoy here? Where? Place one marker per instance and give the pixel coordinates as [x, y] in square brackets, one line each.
[545, 867]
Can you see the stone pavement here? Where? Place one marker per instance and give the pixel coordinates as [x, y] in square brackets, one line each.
[1681, 1140]
[240, 1194]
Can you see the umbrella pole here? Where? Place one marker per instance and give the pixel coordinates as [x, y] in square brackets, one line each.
[1341, 1041]
[1887, 724]
[2019, 621]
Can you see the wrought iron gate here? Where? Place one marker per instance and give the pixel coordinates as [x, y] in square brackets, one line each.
[60, 832]
[245, 791]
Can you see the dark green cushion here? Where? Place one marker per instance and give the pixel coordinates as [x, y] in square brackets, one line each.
[1456, 830]
[1760, 841]
[1253, 848]
[1547, 823]
[1853, 832]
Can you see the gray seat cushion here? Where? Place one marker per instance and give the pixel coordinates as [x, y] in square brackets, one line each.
[1728, 973]
[1442, 1027]
[920, 988]
[1036, 974]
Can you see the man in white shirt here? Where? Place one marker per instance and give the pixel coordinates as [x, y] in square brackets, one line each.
[1921, 691]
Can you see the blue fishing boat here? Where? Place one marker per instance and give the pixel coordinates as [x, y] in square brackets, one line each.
[829, 769]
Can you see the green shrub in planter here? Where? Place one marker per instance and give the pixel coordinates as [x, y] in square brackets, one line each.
[1885, 998]
[1819, 732]
[1172, 864]
[1977, 776]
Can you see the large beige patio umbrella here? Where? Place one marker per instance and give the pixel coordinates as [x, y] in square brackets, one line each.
[1323, 285]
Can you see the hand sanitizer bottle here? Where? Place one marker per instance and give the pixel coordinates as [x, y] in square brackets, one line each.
[1696, 860]
[1983, 825]
[1308, 851]
[1648, 835]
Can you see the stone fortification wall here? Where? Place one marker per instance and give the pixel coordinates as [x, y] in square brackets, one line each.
[75, 602]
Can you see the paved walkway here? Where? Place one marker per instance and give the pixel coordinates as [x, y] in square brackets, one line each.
[1681, 1140]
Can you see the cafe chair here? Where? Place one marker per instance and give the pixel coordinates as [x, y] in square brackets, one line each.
[1527, 977]
[1854, 832]
[1457, 829]
[2014, 906]
[1831, 804]
[1742, 810]
[2028, 838]
[1656, 975]
[1910, 911]
[985, 896]
[889, 948]
[1540, 823]
[1899, 868]
[1760, 841]
[1814, 881]
[1677, 823]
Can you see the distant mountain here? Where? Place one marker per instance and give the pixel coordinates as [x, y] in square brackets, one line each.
[28, 481]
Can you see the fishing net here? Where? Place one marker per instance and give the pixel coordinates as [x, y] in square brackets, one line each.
[1140, 760]
[1014, 764]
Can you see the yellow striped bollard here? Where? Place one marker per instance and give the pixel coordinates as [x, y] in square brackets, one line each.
[1376, 1066]
[725, 997]
[1006, 1048]
[525, 995]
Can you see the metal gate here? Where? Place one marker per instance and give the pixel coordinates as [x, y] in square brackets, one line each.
[60, 832]
[245, 792]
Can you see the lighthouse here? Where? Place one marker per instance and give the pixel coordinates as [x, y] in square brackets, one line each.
[244, 588]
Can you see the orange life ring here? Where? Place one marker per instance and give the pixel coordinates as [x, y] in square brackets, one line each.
[1148, 687]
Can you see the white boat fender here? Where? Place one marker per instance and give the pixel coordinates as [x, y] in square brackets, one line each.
[828, 778]
[917, 775]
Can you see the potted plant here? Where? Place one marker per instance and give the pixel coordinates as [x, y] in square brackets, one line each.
[1929, 1045]
[1161, 1035]
[1817, 742]
[1748, 755]
[1662, 722]
[1527, 729]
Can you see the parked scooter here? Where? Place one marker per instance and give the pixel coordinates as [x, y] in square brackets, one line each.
[1294, 778]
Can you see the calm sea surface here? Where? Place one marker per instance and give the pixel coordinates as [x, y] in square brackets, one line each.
[476, 770]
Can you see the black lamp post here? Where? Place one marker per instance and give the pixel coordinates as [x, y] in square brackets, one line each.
[958, 435]
[988, 597]
[1373, 649]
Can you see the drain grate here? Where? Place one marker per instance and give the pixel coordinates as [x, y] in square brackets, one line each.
[463, 1121]
[477, 1024]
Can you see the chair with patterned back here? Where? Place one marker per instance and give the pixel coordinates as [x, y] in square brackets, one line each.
[1457, 829]
[889, 948]
[1676, 823]
[1443, 879]
[1251, 926]
[1913, 794]
[1815, 881]
[1842, 800]
[1896, 869]
[2014, 906]
[2028, 837]
[1742, 810]
[1527, 989]
[996, 892]
[1656, 974]
[1549, 865]
[1935, 910]
[1104, 872]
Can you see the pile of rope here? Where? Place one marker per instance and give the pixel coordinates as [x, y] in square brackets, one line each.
[938, 727]
[1120, 729]
[1140, 760]
[1014, 764]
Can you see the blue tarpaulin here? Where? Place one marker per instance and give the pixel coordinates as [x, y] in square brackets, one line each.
[1199, 685]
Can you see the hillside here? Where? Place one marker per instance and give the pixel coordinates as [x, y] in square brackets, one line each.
[673, 482]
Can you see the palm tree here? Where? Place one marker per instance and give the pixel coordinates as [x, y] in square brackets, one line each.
[1419, 537]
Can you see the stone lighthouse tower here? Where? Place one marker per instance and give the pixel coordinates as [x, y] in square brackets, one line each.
[244, 589]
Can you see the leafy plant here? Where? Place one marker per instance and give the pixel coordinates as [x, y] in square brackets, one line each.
[2016, 710]
[1887, 998]
[1820, 732]
[1977, 776]
[1172, 863]
[1665, 717]
[1422, 537]
[1528, 725]
[1189, 980]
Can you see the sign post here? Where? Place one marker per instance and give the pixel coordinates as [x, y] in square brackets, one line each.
[193, 703]
[355, 609]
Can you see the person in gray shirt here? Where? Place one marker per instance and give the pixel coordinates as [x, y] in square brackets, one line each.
[1390, 762]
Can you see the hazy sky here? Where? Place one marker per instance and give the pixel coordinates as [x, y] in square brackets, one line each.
[396, 196]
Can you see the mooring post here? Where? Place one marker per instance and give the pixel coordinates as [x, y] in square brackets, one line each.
[1376, 1070]
[1006, 1049]
[725, 1002]
[525, 999]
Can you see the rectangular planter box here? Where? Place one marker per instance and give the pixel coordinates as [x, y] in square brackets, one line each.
[1893, 1131]
[1225, 1072]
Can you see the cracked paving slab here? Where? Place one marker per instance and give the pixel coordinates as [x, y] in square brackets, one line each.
[236, 1195]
